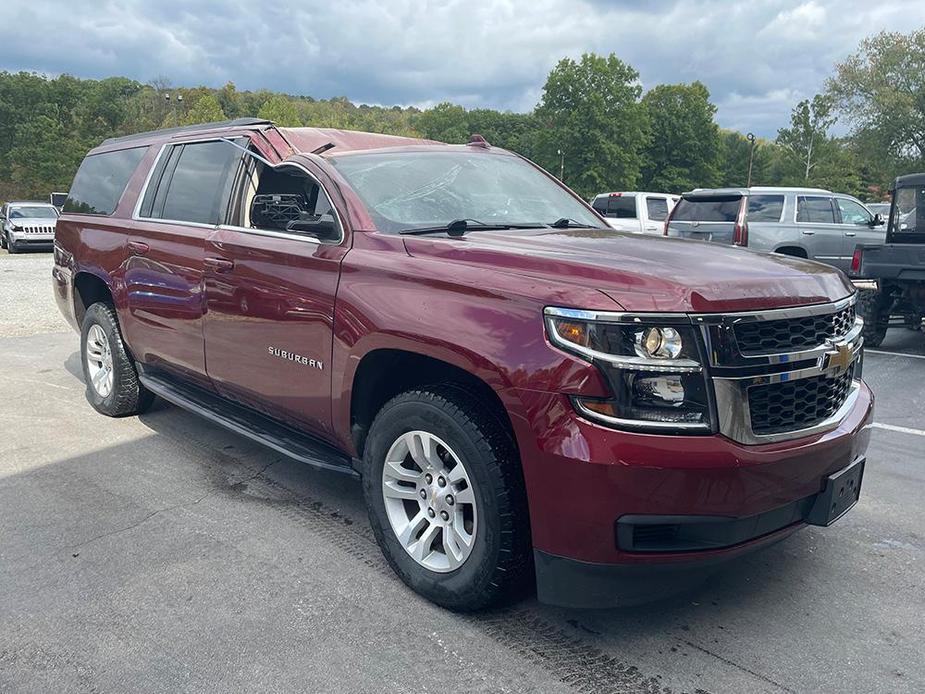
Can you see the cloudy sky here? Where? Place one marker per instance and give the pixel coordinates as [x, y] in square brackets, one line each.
[757, 57]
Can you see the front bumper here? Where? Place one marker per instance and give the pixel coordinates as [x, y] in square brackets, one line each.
[582, 479]
[22, 239]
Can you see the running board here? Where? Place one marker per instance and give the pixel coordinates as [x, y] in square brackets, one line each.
[253, 425]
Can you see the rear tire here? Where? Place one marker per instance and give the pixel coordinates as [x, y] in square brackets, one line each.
[113, 387]
[441, 434]
[874, 308]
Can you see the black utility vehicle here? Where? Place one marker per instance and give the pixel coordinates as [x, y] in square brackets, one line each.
[891, 275]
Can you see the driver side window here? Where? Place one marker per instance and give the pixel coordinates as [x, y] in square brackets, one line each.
[853, 213]
[285, 199]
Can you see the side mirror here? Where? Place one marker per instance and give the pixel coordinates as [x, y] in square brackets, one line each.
[876, 221]
[322, 226]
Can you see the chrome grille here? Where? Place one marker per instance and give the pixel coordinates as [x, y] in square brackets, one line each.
[798, 404]
[792, 334]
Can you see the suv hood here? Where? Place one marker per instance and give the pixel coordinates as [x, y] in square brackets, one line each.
[646, 273]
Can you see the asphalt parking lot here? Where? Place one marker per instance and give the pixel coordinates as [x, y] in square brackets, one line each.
[161, 553]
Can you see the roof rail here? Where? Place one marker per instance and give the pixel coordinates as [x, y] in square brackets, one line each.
[188, 129]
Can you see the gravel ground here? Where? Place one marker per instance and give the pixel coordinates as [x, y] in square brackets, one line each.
[162, 554]
[28, 306]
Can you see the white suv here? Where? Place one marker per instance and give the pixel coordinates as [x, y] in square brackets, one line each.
[641, 213]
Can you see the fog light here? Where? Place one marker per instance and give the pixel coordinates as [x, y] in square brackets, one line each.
[658, 343]
[660, 390]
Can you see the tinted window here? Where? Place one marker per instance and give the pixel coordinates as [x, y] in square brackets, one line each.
[713, 209]
[815, 209]
[852, 212]
[765, 208]
[197, 189]
[101, 180]
[622, 207]
[657, 209]
[600, 204]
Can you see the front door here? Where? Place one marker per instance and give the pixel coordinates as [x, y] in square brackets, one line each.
[858, 226]
[822, 235]
[270, 296]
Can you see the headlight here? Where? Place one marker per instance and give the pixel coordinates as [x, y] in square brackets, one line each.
[653, 367]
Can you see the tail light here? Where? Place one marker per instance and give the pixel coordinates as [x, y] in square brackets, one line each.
[856, 262]
[740, 234]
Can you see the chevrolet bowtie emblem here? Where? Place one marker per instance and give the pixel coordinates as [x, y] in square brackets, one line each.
[840, 358]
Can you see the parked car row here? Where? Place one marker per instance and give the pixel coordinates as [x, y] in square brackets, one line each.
[526, 397]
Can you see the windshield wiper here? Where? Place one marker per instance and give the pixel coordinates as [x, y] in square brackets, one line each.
[567, 223]
[457, 227]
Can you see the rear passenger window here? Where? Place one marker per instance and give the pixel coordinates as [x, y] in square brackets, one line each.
[622, 207]
[815, 209]
[765, 208]
[657, 209]
[194, 185]
[101, 180]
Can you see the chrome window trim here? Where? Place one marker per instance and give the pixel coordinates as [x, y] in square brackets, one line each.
[136, 212]
[273, 234]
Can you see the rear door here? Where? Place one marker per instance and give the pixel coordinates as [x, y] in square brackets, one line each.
[816, 217]
[179, 208]
[706, 217]
[270, 294]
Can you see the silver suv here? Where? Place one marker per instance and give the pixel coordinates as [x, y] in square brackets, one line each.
[27, 224]
[805, 222]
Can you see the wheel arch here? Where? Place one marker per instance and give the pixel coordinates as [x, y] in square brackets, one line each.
[792, 249]
[385, 371]
[89, 288]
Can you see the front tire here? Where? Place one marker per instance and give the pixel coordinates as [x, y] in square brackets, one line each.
[446, 498]
[113, 387]
[874, 308]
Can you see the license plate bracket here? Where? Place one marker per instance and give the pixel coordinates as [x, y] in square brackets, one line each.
[841, 492]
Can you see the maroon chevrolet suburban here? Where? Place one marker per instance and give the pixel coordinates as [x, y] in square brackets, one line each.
[525, 394]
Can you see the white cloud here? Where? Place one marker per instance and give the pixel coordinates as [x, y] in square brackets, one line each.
[757, 58]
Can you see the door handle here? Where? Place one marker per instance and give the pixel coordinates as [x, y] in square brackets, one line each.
[851, 233]
[808, 233]
[138, 247]
[219, 264]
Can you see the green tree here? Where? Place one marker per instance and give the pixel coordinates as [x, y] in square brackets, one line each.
[880, 90]
[445, 122]
[807, 140]
[280, 109]
[592, 124]
[684, 151]
[205, 110]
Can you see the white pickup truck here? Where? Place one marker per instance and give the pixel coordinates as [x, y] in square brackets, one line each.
[641, 213]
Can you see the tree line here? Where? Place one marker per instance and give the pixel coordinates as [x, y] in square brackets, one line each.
[594, 125]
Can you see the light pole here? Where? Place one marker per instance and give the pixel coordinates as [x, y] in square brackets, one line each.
[561, 164]
[751, 157]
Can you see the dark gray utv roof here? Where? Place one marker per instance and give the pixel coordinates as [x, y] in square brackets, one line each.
[916, 179]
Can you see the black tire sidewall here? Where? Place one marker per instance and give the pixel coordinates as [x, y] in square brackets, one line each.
[463, 588]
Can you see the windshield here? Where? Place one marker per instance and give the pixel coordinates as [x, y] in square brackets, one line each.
[408, 190]
[34, 212]
[909, 213]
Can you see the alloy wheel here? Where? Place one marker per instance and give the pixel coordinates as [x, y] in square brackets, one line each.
[429, 501]
[99, 361]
